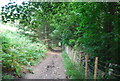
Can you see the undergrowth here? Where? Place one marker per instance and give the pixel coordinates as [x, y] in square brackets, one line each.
[71, 69]
[76, 71]
[18, 51]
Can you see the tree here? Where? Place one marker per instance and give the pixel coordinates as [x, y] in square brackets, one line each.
[93, 27]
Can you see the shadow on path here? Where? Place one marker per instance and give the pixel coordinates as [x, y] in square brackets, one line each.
[57, 50]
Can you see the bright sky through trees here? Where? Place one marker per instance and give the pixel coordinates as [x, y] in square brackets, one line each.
[5, 2]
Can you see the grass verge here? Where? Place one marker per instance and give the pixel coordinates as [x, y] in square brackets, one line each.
[73, 71]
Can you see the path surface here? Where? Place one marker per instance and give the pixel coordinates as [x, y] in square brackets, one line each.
[50, 68]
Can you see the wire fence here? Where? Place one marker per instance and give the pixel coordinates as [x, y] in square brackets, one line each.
[94, 68]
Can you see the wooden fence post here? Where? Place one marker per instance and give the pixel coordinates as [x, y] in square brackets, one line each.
[74, 57]
[86, 67]
[72, 54]
[80, 58]
[95, 68]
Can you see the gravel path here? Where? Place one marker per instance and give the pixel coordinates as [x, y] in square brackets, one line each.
[50, 68]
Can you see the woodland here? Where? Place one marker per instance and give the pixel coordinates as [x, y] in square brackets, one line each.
[88, 26]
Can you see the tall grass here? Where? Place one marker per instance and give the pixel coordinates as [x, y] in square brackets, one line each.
[73, 71]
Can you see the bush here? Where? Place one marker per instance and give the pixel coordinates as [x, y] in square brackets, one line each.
[17, 51]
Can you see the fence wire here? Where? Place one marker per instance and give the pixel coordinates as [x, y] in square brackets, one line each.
[104, 70]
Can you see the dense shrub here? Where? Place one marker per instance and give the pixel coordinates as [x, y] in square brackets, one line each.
[17, 51]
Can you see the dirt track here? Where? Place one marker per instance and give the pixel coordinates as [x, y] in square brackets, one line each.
[50, 68]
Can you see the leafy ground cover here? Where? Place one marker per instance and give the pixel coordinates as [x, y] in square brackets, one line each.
[18, 52]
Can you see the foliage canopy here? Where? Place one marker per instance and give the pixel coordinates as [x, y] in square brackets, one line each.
[92, 27]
